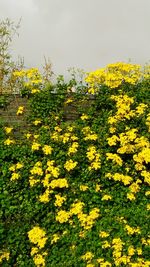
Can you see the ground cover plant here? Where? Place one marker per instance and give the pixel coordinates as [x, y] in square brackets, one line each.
[75, 190]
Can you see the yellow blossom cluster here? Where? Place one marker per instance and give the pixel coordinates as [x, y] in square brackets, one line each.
[37, 236]
[48, 181]
[60, 183]
[73, 148]
[142, 157]
[123, 105]
[30, 78]
[103, 234]
[133, 189]
[59, 200]
[70, 165]
[76, 208]
[117, 246]
[14, 169]
[146, 175]
[35, 146]
[84, 117]
[88, 256]
[89, 134]
[47, 149]
[132, 230]
[103, 263]
[115, 158]
[83, 187]
[4, 255]
[65, 137]
[86, 220]
[94, 158]
[125, 179]
[113, 75]
[140, 109]
[35, 171]
[62, 216]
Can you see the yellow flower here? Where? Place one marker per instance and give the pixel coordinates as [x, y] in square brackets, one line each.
[146, 176]
[76, 208]
[47, 150]
[141, 108]
[55, 238]
[132, 230]
[72, 247]
[69, 100]
[91, 136]
[8, 130]
[9, 141]
[34, 251]
[37, 170]
[62, 216]
[82, 234]
[106, 197]
[59, 200]
[148, 206]
[39, 260]
[84, 117]
[33, 91]
[131, 196]
[95, 165]
[35, 146]
[4, 255]
[73, 148]
[115, 158]
[105, 244]
[139, 251]
[37, 236]
[19, 165]
[103, 234]
[70, 165]
[15, 176]
[36, 136]
[112, 129]
[88, 256]
[33, 181]
[98, 188]
[45, 197]
[112, 141]
[37, 122]
[12, 168]
[28, 135]
[83, 187]
[20, 110]
[60, 183]
[131, 250]
[147, 193]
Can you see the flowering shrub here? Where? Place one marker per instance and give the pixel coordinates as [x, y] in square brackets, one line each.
[76, 192]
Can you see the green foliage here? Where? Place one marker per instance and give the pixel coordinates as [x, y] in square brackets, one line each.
[22, 209]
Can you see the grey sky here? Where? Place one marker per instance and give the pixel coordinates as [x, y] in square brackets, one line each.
[86, 34]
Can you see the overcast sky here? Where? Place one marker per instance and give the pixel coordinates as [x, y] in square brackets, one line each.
[86, 34]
